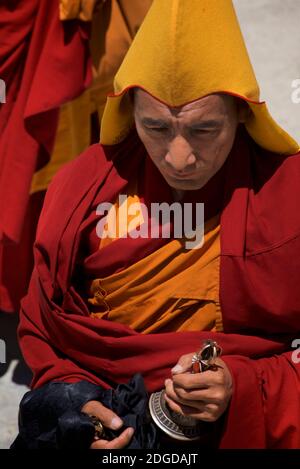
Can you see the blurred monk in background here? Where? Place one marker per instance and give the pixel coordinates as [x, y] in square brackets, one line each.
[58, 59]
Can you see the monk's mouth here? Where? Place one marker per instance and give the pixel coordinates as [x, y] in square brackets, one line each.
[180, 176]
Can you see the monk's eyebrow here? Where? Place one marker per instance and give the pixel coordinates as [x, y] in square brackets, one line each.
[150, 122]
[201, 125]
[208, 124]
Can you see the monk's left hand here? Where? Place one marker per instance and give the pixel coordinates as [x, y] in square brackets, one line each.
[204, 396]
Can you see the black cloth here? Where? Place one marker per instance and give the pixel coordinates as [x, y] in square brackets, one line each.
[50, 417]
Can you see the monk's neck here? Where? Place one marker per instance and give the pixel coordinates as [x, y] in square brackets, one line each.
[178, 194]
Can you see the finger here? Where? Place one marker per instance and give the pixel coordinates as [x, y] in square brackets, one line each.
[184, 364]
[106, 416]
[183, 409]
[206, 414]
[212, 395]
[199, 380]
[99, 444]
[117, 443]
[172, 395]
[122, 440]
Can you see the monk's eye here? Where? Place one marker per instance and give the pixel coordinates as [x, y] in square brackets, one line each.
[157, 129]
[203, 132]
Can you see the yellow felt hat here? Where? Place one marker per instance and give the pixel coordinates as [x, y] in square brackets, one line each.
[185, 50]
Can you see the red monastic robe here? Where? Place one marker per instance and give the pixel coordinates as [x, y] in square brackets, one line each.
[44, 63]
[259, 292]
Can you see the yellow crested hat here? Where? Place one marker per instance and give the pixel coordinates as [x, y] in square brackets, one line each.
[185, 50]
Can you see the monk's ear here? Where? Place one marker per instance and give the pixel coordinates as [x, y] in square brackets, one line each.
[244, 111]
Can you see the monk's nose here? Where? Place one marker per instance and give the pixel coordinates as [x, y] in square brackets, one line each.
[180, 154]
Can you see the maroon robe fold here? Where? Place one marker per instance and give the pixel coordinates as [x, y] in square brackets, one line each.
[44, 62]
[259, 293]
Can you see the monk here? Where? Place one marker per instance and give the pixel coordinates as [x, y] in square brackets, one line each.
[184, 125]
[58, 60]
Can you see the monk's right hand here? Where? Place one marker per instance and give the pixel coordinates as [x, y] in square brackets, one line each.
[110, 420]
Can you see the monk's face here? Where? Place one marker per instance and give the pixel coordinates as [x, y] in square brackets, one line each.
[188, 144]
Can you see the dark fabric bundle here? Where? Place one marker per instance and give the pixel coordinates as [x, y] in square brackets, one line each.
[51, 417]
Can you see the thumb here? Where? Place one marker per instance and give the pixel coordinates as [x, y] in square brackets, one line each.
[184, 364]
[107, 417]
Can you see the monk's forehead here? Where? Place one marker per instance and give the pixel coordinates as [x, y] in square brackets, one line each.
[215, 102]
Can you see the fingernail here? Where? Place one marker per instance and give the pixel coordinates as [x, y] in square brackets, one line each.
[130, 431]
[116, 423]
[167, 381]
[177, 369]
